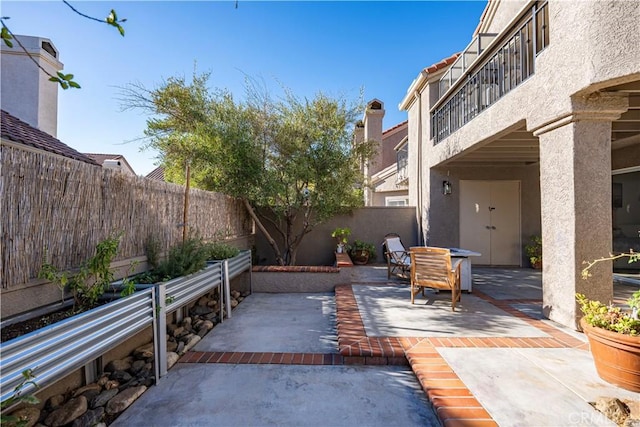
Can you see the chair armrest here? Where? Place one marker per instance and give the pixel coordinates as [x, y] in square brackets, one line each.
[456, 265]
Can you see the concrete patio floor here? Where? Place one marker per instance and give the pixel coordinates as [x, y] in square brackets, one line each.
[366, 356]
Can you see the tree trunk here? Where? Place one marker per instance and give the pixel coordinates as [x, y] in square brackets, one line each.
[270, 239]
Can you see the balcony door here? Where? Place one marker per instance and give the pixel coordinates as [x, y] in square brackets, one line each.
[490, 221]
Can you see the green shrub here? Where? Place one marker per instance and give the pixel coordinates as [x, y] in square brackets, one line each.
[183, 259]
[220, 250]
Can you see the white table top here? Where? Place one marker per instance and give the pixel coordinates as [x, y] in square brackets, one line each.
[462, 253]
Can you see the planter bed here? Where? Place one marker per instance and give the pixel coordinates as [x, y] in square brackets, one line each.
[293, 279]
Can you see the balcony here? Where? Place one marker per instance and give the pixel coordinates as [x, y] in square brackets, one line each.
[487, 70]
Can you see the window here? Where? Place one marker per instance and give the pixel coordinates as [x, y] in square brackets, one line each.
[395, 201]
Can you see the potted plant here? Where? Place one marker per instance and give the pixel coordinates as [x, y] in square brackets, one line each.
[534, 251]
[361, 252]
[614, 335]
[341, 234]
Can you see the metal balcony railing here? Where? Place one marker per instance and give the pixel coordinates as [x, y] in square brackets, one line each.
[493, 74]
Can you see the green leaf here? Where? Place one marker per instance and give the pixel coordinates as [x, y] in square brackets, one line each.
[61, 75]
[68, 77]
[64, 84]
[6, 37]
[121, 30]
[54, 79]
[74, 84]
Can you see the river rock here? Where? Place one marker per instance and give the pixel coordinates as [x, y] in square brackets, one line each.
[212, 304]
[234, 303]
[613, 408]
[25, 417]
[111, 384]
[119, 365]
[121, 376]
[180, 349]
[144, 352]
[138, 365]
[102, 381]
[235, 294]
[90, 418]
[203, 300]
[55, 401]
[192, 341]
[88, 387]
[172, 358]
[187, 321]
[124, 399]
[200, 310]
[103, 398]
[68, 412]
[177, 331]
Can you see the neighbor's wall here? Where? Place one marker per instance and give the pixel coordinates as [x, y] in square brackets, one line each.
[62, 208]
[368, 224]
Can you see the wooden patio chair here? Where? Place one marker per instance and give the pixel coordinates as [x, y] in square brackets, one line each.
[398, 259]
[432, 268]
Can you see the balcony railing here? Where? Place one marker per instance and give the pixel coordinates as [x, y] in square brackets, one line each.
[506, 67]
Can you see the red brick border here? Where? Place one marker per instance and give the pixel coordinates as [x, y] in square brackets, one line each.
[295, 269]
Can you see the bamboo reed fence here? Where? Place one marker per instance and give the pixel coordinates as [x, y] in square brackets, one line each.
[62, 208]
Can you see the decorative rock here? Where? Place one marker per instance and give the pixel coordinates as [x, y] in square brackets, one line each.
[144, 352]
[212, 304]
[235, 294]
[172, 358]
[172, 345]
[199, 310]
[211, 315]
[89, 387]
[124, 399]
[203, 300]
[119, 365]
[177, 331]
[103, 398]
[180, 348]
[240, 299]
[103, 380]
[25, 417]
[192, 341]
[234, 303]
[90, 418]
[207, 324]
[187, 321]
[138, 365]
[90, 394]
[185, 339]
[111, 384]
[197, 324]
[68, 412]
[55, 401]
[121, 376]
[613, 408]
[634, 408]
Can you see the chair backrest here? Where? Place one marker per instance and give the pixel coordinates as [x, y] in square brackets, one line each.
[394, 244]
[431, 267]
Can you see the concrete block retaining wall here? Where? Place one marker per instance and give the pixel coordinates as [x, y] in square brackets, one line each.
[298, 279]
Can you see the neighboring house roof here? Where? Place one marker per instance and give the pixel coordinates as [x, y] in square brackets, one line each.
[157, 174]
[100, 158]
[15, 130]
[398, 126]
[442, 64]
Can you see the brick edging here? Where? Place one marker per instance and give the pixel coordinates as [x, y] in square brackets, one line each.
[294, 269]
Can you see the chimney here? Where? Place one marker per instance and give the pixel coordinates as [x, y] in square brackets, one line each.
[373, 116]
[26, 90]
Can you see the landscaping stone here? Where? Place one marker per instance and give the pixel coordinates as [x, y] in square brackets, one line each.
[119, 365]
[139, 365]
[26, 417]
[199, 310]
[172, 358]
[144, 352]
[124, 399]
[68, 412]
[121, 376]
[90, 418]
[192, 341]
[180, 348]
[55, 401]
[177, 331]
[103, 398]
[89, 387]
[111, 384]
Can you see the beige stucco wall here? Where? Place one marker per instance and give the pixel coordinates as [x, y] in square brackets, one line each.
[369, 224]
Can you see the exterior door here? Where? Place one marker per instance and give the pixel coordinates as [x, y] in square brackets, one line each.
[490, 221]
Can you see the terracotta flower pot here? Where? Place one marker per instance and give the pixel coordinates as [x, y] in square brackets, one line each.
[616, 356]
[360, 257]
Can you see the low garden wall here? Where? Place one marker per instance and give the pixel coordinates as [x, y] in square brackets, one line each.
[298, 279]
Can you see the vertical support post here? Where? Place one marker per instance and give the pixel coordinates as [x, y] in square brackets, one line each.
[160, 331]
[227, 288]
[220, 294]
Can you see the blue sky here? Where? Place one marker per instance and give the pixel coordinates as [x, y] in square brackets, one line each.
[335, 47]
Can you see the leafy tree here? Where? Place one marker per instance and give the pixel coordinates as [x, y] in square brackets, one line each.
[291, 161]
[64, 80]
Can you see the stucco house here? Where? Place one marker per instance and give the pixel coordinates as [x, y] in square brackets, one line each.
[386, 173]
[112, 161]
[524, 132]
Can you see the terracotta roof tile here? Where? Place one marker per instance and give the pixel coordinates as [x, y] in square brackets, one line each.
[14, 129]
[395, 127]
[442, 64]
